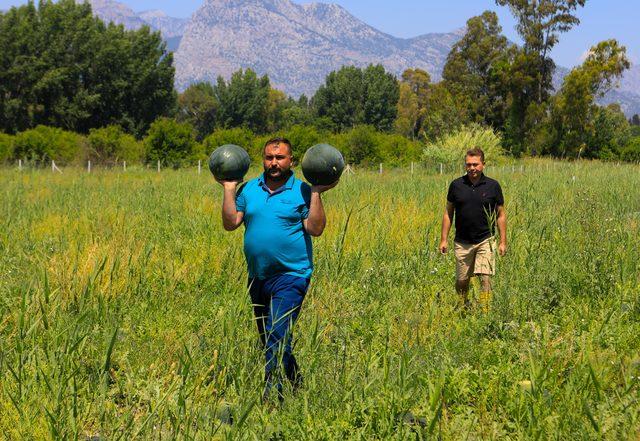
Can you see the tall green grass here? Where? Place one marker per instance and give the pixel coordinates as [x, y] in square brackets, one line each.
[124, 312]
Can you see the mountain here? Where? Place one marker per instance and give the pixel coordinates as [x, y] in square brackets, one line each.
[119, 13]
[296, 45]
[171, 28]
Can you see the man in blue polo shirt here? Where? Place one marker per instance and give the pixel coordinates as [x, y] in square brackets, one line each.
[280, 213]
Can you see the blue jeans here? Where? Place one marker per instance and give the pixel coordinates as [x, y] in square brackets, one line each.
[276, 306]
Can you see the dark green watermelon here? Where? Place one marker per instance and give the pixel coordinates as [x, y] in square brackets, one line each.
[229, 162]
[322, 164]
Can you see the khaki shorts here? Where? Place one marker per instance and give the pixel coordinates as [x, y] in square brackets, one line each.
[475, 258]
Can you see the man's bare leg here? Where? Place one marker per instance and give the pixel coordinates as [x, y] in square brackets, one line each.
[462, 288]
[485, 293]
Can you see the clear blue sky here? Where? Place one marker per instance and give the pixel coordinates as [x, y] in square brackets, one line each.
[601, 19]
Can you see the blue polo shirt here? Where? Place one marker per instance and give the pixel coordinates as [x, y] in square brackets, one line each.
[275, 241]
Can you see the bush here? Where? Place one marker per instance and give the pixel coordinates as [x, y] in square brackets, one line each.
[238, 136]
[450, 149]
[110, 145]
[46, 143]
[397, 150]
[359, 145]
[631, 152]
[303, 137]
[172, 143]
[6, 147]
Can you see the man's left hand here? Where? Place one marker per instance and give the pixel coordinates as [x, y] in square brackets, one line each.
[323, 188]
[502, 249]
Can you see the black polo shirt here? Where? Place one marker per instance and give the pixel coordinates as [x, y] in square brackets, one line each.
[475, 208]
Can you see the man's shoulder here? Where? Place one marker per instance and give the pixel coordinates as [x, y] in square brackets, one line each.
[301, 188]
[252, 183]
[247, 187]
[491, 181]
[300, 183]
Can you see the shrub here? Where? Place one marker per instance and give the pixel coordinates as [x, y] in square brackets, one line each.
[631, 152]
[6, 147]
[46, 143]
[359, 145]
[110, 145]
[451, 148]
[172, 143]
[398, 150]
[239, 136]
[303, 137]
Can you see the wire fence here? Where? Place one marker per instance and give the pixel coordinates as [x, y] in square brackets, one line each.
[411, 168]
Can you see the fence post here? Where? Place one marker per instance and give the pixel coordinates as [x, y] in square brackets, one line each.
[521, 168]
[441, 168]
[20, 164]
[124, 165]
[88, 166]
[381, 168]
[53, 165]
[158, 166]
[199, 166]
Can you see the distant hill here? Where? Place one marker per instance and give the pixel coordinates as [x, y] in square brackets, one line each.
[298, 45]
[171, 28]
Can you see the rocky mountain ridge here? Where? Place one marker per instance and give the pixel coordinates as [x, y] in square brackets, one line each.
[171, 28]
[297, 45]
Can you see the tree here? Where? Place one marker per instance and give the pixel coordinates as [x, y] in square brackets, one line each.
[611, 133]
[539, 23]
[277, 103]
[298, 113]
[444, 113]
[474, 70]
[531, 68]
[412, 103]
[353, 96]
[635, 120]
[574, 109]
[243, 101]
[381, 96]
[198, 106]
[61, 66]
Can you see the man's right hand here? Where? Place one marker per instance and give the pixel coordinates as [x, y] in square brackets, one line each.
[444, 246]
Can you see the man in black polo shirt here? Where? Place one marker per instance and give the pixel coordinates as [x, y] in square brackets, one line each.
[478, 206]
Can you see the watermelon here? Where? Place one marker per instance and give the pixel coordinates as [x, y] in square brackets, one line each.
[322, 164]
[229, 162]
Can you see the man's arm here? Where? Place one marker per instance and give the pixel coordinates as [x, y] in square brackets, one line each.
[316, 221]
[502, 229]
[447, 220]
[231, 217]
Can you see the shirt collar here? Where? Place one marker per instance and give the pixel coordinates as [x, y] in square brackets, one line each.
[288, 185]
[482, 180]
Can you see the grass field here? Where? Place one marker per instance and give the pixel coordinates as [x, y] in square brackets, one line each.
[124, 314]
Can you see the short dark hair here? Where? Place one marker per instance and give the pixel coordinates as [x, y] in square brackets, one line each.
[476, 151]
[278, 140]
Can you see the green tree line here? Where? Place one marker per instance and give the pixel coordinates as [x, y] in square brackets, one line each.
[75, 89]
